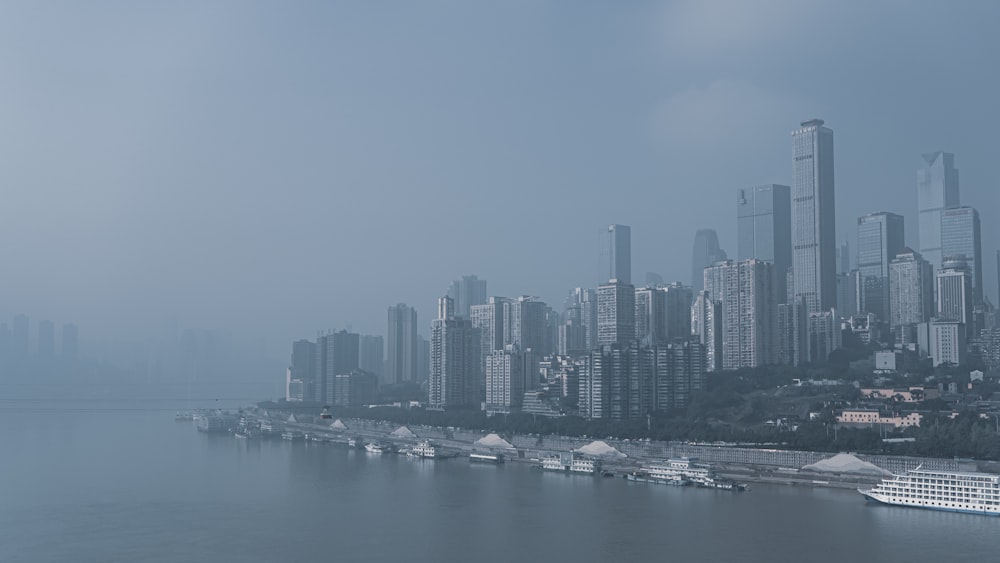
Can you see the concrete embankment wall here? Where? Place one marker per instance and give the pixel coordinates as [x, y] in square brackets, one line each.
[760, 458]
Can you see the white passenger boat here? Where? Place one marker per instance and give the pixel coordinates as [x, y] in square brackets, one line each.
[424, 450]
[955, 491]
[374, 448]
[480, 457]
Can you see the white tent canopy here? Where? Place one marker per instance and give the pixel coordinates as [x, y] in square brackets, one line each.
[338, 425]
[846, 463]
[494, 441]
[291, 418]
[599, 448]
[403, 432]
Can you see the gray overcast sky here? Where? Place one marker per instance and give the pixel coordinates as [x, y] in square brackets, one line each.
[282, 167]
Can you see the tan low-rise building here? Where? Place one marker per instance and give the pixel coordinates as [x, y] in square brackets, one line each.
[866, 416]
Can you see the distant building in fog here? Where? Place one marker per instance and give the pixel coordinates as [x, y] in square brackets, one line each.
[46, 339]
[336, 353]
[764, 229]
[20, 337]
[616, 254]
[371, 356]
[706, 252]
[467, 292]
[937, 190]
[880, 239]
[401, 363]
[70, 342]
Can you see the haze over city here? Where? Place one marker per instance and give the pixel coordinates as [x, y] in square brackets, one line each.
[276, 171]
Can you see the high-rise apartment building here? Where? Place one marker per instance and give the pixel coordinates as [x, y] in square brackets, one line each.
[705, 253]
[848, 293]
[960, 236]
[650, 316]
[706, 328]
[371, 355]
[584, 300]
[300, 381]
[402, 344]
[525, 324]
[814, 255]
[628, 382]
[954, 291]
[454, 370]
[911, 294]
[615, 313]
[746, 291]
[616, 254]
[764, 229]
[336, 353]
[467, 292]
[844, 258]
[824, 335]
[947, 344]
[423, 358]
[880, 239]
[678, 299]
[937, 190]
[791, 333]
[505, 380]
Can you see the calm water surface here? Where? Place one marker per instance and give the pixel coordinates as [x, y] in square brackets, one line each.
[133, 485]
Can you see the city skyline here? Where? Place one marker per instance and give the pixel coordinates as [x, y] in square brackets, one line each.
[336, 160]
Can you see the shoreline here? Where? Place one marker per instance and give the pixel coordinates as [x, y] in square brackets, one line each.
[776, 469]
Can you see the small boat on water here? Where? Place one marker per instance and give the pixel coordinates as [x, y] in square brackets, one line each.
[378, 448]
[482, 457]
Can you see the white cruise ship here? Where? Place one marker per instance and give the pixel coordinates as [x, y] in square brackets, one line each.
[976, 493]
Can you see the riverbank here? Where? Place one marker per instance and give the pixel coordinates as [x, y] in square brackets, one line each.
[743, 464]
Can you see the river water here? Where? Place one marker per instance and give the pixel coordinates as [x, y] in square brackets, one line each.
[131, 484]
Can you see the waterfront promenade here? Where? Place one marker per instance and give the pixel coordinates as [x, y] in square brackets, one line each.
[744, 463]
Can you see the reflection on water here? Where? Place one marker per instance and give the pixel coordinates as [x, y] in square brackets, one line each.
[139, 486]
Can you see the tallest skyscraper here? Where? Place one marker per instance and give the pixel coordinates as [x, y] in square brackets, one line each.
[814, 253]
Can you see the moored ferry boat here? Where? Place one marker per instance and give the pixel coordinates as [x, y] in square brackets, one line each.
[684, 471]
[481, 457]
[425, 450]
[585, 465]
[571, 464]
[955, 491]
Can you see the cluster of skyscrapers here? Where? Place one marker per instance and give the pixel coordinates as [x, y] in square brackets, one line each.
[622, 351]
[793, 294]
[18, 353]
[617, 351]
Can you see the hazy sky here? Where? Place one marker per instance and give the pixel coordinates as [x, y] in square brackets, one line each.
[282, 167]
